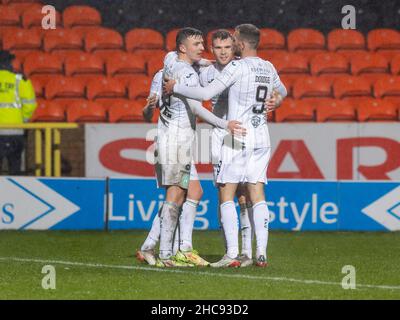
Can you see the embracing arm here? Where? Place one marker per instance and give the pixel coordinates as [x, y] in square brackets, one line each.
[200, 93]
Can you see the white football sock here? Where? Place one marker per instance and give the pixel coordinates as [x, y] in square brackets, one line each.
[154, 234]
[261, 220]
[246, 229]
[186, 222]
[168, 220]
[229, 220]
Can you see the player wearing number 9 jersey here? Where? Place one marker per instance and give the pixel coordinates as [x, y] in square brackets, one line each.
[250, 81]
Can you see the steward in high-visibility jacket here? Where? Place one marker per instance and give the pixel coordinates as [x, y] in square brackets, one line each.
[17, 104]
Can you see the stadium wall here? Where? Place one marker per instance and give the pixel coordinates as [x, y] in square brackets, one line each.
[113, 204]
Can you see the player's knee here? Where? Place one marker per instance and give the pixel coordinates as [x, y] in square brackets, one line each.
[195, 192]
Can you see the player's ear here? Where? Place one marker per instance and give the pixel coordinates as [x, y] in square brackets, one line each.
[182, 48]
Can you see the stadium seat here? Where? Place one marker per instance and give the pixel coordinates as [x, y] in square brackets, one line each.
[154, 65]
[34, 16]
[335, 110]
[103, 39]
[68, 87]
[329, 63]
[39, 86]
[395, 65]
[170, 40]
[294, 110]
[371, 66]
[125, 111]
[125, 64]
[377, 110]
[62, 39]
[312, 87]
[306, 41]
[48, 111]
[387, 87]
[343, 41]
[74, 16]
[21, 7]
[147, 54]
[270, 54]
[142, 38]
[83, 64]
[139, 87]
[271, 39]
[17, 65]
[290, 63]
[87, 111]
[105, 89]
[23, 39]
[9, 16]
[351, 86]
[42, 63]
[384, 41]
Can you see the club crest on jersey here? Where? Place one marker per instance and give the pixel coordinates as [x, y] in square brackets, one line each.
[255, 121]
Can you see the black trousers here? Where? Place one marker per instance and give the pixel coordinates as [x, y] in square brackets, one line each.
[11, 148]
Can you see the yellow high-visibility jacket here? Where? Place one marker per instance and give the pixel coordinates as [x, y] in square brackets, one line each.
[17, 98]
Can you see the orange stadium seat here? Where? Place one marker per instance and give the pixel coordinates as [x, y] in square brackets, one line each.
[294, 110]
[387, 87]
[139, 87]
[395, 65]
[68, 87]
[105, 54]
[125, 111]
[9, 16]
[335, 110]
[385, 41]
[48, 111]
[371, 66]
[351, 86]
[154, 65]
[40, 80]
[86, 111]
[271, 39]
[328, 63]
[34, 16]
[21, 7]
[377, 110]
[312, 87]
[17, 65]
[270, 54]
[105, 89]
[103, 39]
[74, 16]
[125, 64]
[142, 38]
[289, 63]
[22, 39]
[147, 54]
[62, 39]
[346, 41]
[170, 40]
[306, 41]
[42, 63]
[83, 64]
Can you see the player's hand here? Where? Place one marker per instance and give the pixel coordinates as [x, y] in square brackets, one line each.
[273, 102]
[151, 101]
[205, 62]
[168, 86]
[235, 128]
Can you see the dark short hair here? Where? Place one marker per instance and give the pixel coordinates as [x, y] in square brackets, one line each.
[249, 33]
[6, 56]
[185, 33]
[221, 34]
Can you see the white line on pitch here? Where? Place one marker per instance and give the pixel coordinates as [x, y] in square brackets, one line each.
[204, 273]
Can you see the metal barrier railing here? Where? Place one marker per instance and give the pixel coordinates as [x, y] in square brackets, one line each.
[52, 141]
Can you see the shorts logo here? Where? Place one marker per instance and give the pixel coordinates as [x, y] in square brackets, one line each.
[185, 180]
[187, 167]
[255, 121]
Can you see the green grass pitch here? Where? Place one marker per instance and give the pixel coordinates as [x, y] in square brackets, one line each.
[102, 265]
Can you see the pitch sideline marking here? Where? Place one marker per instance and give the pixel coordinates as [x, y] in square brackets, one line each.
[241, 276]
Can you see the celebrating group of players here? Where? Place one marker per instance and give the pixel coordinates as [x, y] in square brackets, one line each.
[243, 90]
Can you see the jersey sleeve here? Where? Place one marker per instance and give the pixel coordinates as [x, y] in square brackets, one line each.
[156, 84]
[230, 74]
[277, 83]
[28, 99]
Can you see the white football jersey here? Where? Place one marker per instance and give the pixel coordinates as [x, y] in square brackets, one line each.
[250, 81]
[156, 84]
[174, 111]
[219, 102]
